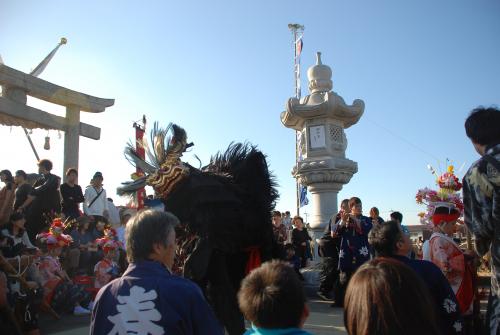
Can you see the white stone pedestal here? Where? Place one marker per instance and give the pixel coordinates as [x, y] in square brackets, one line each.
[321, 118]
[324, 204]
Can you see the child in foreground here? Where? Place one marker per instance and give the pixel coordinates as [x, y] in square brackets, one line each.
[273, 300]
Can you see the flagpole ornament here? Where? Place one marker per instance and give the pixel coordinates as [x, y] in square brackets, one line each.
[295, 26]
[63, 41]
[321, 118]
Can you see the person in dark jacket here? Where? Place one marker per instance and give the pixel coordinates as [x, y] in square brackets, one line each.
[43, 202]
[300, 240]
[329, 247]
[148, 299]
[71, 194]
[389, 240]
[23, 189]
[352, 228]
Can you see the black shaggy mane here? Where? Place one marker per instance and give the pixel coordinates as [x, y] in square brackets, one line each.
[247, 167]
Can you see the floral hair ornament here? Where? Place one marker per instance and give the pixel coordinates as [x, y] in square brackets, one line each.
[55, 237]
[109, 241]
[446, 198]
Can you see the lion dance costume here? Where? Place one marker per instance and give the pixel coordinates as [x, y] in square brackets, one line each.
[224, 209]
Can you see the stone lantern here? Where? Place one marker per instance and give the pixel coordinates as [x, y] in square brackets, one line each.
[321, 118]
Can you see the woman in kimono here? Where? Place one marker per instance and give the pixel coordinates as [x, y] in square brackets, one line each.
[447, 255]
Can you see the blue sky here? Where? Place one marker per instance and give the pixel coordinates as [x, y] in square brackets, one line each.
[223, 70]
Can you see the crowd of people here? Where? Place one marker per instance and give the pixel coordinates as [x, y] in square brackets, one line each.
[436, 294]
[58, 245]
[117, 264]
[293, 242]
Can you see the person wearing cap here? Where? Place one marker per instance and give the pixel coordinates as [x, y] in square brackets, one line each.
[95, 205]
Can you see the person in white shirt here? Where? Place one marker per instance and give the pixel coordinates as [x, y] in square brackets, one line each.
[114, 214]
[125, 215]
[95, 205]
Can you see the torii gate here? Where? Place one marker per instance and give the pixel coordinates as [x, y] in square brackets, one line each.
[17, 85]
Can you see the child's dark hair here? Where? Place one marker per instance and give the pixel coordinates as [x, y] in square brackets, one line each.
[272, 296]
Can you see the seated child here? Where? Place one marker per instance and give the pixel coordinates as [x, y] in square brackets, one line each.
[292, 259]
[59, 290]
[106, 269]
[273, 300]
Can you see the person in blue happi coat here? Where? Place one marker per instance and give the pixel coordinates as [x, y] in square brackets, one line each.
[389, 240]
[147, 298]
[353, 228]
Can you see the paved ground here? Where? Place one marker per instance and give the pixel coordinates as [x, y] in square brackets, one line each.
[325, 319]
[322, 320]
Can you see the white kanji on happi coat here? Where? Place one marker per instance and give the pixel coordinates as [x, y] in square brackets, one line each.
[136, 313]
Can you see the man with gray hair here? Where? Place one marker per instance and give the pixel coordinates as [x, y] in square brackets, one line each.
[148, 299]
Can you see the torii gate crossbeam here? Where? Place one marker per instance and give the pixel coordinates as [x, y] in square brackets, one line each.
[17, 85]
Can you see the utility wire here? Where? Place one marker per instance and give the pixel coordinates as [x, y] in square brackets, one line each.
[401, 138]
